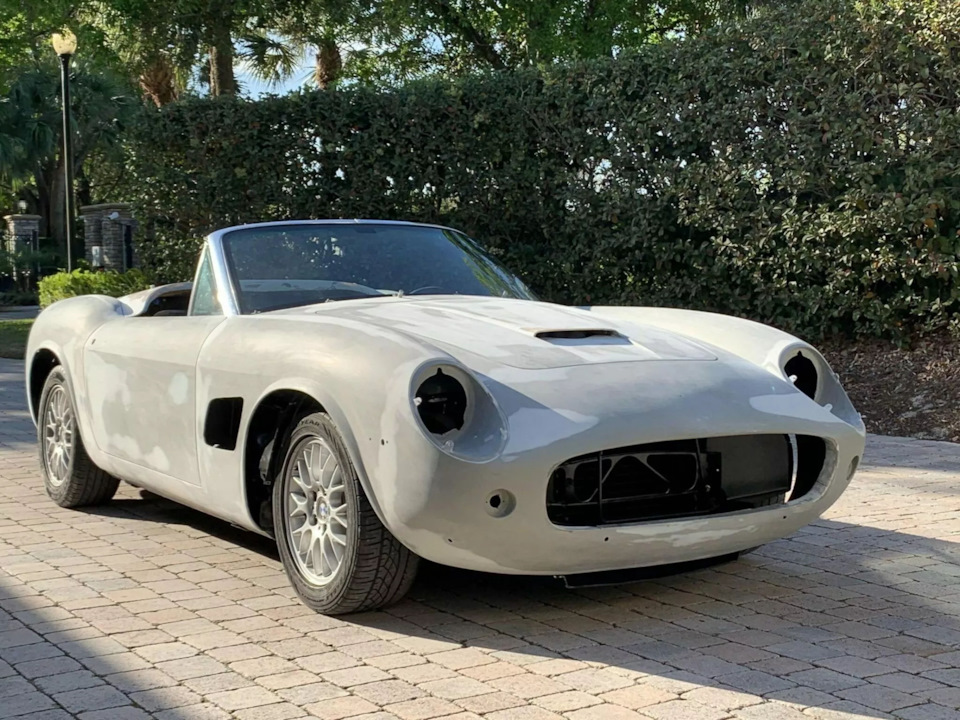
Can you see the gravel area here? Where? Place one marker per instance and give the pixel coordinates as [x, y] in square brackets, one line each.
[911, 392]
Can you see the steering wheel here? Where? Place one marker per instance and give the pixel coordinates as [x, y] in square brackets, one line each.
[425, 287]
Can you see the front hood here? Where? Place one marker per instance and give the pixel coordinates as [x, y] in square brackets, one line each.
[519, 333]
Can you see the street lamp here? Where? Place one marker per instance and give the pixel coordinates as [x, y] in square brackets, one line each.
[22, 206]
[65, 45]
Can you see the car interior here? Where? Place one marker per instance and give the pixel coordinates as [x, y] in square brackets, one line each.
[174, 303]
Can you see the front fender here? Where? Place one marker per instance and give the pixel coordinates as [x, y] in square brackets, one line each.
[360, 375]
[762, 345]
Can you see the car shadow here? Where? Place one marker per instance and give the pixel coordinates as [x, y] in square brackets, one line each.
[152, 508]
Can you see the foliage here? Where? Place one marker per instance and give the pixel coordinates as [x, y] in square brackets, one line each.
[396, 40]
[31, 162]
[25, 28]
[169, 47]
[20, 270]
[12, 298]
[83, 282]
[799, 167]
[13, 338]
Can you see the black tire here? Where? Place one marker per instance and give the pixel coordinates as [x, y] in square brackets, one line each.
[80, 482]
[375, 569]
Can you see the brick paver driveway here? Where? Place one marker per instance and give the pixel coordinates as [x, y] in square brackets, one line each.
[146, 608]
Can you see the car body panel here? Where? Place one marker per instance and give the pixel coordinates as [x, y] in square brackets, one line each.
[143, 386]
[507, 331]
[135, 367]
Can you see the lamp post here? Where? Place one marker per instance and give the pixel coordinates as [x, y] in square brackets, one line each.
[65, 45]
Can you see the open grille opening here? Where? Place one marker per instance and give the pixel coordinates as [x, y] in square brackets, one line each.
[682, 478]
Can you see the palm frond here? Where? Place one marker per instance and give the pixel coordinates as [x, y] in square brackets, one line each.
[269, 59]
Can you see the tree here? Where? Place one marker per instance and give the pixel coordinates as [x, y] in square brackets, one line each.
[402, 39]
[31, 158]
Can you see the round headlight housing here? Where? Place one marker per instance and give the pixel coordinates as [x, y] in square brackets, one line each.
[457, 412]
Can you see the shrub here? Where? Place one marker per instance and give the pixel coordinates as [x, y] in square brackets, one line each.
[83, 282]
[18, 297]
[798, 168]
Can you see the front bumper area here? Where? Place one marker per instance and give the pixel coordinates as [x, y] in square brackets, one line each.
[440, 506]
[524, 542]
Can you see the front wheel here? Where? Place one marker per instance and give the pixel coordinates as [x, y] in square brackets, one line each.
[69, 475]
[337, 554]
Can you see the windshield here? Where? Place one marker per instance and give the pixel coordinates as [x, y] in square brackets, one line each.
[282, 266]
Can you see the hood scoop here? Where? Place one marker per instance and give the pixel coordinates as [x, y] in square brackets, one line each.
[583, 336]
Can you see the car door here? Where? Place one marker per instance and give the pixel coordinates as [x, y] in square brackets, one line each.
[140, 377]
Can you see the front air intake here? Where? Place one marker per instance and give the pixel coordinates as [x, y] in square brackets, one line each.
[683, 478]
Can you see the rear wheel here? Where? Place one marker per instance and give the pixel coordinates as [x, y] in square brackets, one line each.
[337, 554]
[69, 475]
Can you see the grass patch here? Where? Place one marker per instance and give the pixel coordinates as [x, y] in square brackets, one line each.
[13, 338]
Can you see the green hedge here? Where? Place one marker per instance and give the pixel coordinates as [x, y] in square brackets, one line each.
[83, 282]
[801, 168]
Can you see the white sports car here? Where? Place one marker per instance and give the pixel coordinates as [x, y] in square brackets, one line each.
[370, 393]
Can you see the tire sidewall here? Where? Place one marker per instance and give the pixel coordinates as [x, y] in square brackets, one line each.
[323, 598]
[57, 378]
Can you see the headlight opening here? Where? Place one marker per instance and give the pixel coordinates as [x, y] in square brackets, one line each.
[802, 372]
[441, 402]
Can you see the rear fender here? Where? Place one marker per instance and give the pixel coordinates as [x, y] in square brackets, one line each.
[63, 329]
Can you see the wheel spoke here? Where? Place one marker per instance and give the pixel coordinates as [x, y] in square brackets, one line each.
[316, 555]
[299, 504]
[306, 538]
[340, 515]
[327, 468]
[334, 480]
[300, 478]
[329, 556]
[315, 460]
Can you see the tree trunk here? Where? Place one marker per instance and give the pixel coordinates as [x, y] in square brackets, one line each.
[222, 80]
[329, 63]
[158, 82]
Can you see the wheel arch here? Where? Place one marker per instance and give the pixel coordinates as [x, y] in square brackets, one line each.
[264, 443]
[42, 363]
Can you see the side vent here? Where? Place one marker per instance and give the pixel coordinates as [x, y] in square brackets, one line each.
[222, 425]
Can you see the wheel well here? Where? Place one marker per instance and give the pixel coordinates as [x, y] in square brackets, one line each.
[43, 362]
[269, 428]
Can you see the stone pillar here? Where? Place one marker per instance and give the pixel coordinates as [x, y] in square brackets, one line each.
[92, 215]
[23, 232]
[109, 227]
